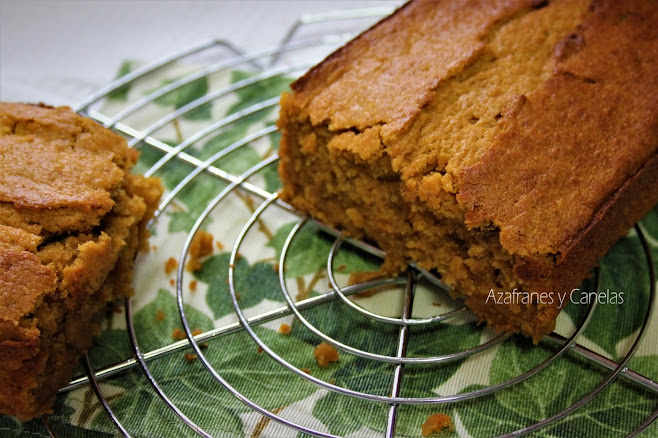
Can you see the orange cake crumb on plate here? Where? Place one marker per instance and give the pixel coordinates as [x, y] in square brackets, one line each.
[285, 329]
[325, 354]
[178, 334]
[435, 423]
[170, 265]
[200, 247]
[191, 357]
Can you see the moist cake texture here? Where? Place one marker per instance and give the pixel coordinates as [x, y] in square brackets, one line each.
[72, 218]
[506, 145]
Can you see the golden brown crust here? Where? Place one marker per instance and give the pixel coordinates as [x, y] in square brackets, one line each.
[24, 283]
[609, 223]
[18, 239]
[603, 119]
[430, 41]
[69, 234]
[62, 154]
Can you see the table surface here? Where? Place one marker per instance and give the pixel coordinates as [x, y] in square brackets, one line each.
[61, 52]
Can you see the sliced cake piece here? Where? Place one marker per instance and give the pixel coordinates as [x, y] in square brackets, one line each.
[72, 218]
[507, 145]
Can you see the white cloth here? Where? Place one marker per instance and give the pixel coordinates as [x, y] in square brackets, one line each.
[59, 52]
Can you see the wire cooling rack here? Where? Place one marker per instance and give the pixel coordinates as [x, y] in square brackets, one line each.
[291, 58]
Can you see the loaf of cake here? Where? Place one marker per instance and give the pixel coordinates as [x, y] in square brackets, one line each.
[506, 145]
[72, 218]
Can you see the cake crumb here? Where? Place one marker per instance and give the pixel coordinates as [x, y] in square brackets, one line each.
[170, 265]
[306, 370]
[191, 357]
[285, 329]
[276, 267]
[238, 295]
[259, 350]
[193, 285]
[154, 247]
[436, 303]
[172, 282]
[200, 247]
[219, 245]
[325, 354]
[197, 332]
[435, 423]
[361, 277]
[341, 268]
[159, 316]
[178, 334]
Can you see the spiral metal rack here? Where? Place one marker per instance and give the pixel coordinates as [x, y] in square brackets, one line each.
[267, 64]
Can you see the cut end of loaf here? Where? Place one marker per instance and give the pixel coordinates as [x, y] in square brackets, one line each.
[494, 166]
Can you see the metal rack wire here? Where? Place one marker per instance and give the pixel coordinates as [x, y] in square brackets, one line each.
[268, 64]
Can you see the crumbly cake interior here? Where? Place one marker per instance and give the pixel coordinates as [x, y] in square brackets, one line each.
[395, 179]
[72, 219]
